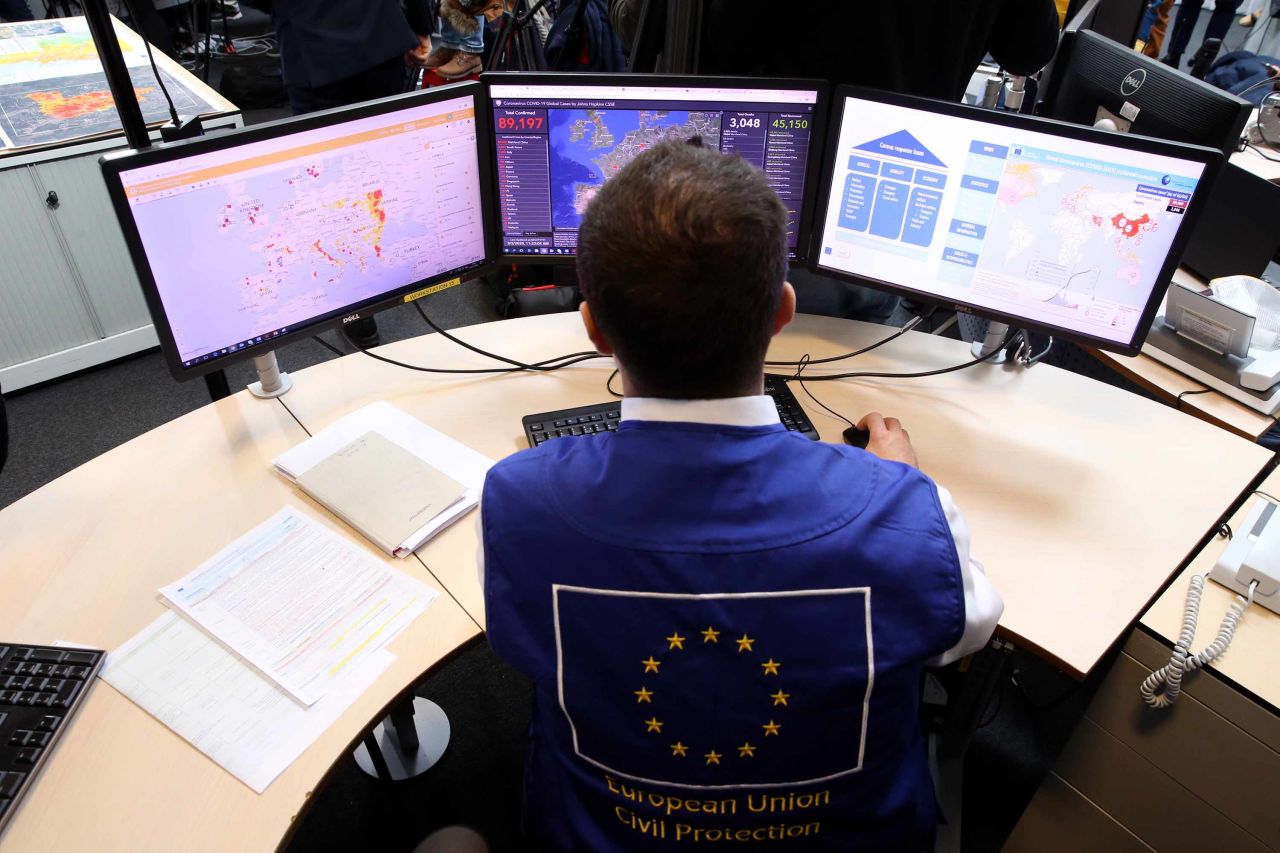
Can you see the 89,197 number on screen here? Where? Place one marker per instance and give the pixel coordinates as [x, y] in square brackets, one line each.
[520, 123]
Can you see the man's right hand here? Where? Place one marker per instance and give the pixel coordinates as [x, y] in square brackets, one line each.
[888, 439]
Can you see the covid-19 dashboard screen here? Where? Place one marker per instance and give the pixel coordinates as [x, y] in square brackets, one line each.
[251, 241]
[557, 144]
[1060, 232]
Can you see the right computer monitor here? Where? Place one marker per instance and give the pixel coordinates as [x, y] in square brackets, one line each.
[1096, 78]
[1033, 222]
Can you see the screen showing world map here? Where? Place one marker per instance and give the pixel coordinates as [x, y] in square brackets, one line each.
[1064, 233]
[257, 239]
[557, 144]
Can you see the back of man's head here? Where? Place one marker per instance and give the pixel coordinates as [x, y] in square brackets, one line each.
[681, 259]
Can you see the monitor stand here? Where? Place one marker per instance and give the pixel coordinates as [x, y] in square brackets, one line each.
[271, 382]
[996, 333]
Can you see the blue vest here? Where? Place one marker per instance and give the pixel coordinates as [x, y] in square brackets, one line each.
[725, 628]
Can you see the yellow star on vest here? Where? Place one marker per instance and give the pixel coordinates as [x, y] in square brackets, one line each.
[744, 643]
[780, 698]
[643, 694]
[712, 757]
[676, 641]
[710, 635]
[771, 728]
[679, 749]
[654, 724]
[771, 667]
[650, 665]
[746, 751]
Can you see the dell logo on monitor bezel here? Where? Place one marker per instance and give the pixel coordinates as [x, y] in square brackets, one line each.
[350, 319]
[1133, 81]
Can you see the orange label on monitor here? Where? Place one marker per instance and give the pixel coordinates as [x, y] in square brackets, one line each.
[435, 288]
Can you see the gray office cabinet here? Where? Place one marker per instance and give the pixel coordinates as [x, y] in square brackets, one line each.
[43, 309]
[69, 297]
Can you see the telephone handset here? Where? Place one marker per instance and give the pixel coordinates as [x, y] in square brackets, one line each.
[1250, 566]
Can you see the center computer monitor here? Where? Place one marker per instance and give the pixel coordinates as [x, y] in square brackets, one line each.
[246, 239]
[1040, 224]
[559, 137]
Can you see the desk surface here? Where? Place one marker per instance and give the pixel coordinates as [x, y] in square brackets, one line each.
[1250, 661]
[1083, 498]
[81, 560]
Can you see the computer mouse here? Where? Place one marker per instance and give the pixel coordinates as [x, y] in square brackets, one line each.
[857, 437]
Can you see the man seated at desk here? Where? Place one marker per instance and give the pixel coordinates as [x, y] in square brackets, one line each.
[725, 623]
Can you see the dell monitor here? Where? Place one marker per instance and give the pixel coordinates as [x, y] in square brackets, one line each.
[1097, 79]
[247, 239]
[559, 137]
[1029, 222]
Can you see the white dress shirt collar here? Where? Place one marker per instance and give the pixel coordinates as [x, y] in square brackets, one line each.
[756, 410]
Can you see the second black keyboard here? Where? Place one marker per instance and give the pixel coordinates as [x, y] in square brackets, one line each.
[41, 687]
[604, 417]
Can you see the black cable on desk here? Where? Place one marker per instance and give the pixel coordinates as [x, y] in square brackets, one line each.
[831, 377]
[330, 347]
[915, 321]
[1190, 394]
[804, 362]
[539, 366]
[1259, 152]
[474, 370]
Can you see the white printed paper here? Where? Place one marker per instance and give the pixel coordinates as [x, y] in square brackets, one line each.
[298, 602]
[221, 706]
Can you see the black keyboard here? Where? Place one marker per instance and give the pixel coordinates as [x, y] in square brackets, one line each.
[604, 417]
[41, 687]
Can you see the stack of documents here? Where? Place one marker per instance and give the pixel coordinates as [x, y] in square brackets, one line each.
[267, 643]
[391, 477]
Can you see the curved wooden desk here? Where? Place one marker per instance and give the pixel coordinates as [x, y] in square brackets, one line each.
[81, 560]
[1083, 498]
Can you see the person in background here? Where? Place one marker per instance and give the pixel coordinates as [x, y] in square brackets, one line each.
[1256, 9]
[1154, 26]
[1224, 12]
[457, 44]
[15, 10]
[624, 17]
[929, 48]
[339, 52]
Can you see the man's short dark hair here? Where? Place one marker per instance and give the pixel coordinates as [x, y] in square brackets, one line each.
[681, 257]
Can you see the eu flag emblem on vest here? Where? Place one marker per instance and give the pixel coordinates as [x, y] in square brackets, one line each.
[725, 690]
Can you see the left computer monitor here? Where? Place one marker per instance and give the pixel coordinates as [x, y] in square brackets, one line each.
[560, 137]
[249, 238]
